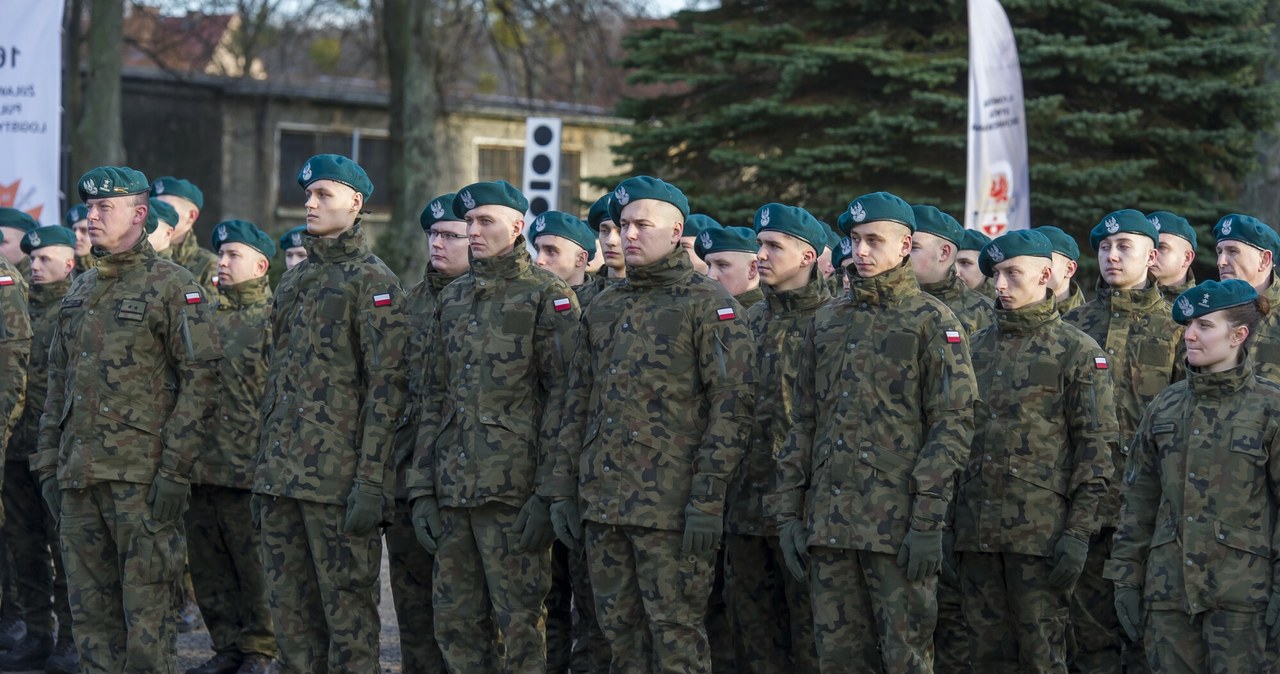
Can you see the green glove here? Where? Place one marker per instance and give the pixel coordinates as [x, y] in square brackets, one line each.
[426, 523]
[950, 567]
[701, 531]
[567, 522]
[1129, 610]
[166, 497]
[52, 496]
[533, 523]
[793, 539]
[1068, 561]
[364, 509]
[1273, 613]
[921, 554]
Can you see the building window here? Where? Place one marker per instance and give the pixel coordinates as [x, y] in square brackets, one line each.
[370, 149]
[500, 162]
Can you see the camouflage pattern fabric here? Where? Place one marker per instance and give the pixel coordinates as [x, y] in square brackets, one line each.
[720, 636]
[411, 567]
[750, 298]
[1220, 640]
[1075, 298]
[591, 653]
[15, 349]
[1017, 621]
[951, 635]
[1170, 293]
[420, 316]
[42, 308]
[974, 310]
[201, 262]
[770, 613]
[1265, 339]
[592, 287]
[559, 611]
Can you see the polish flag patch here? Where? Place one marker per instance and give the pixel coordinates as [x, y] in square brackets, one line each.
[6, 280]
[726, 314]
[1100, 363]
[194, 298]
[953, 337]
[562, 304]
[382, 300]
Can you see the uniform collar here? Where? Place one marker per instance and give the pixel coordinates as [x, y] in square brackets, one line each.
[1139, 300]
[1173, 291]
[347, 246]
[111, 265]
[890, 286]
[807, 297]
[1272, 292]
[43, 294]
[674, 268]
[509, 265]
[247, 293]
[185, 251]
[1026, 319]
[1221, 384]
[750, 297]
[436, 280]
[948, 289]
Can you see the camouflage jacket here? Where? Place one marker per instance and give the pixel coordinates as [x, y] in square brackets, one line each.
[420, 314]
[589, 289]
[492, 403]
[1144, 348]
[660, 402]
[1074, 299]
[882, 419]
[973, 309]
[750, 298]
[1043, 435]
[83, 264]
[202, 263]
[1266, 339]
[1171, 293]
[1198, 528]
[778, 324]
[15, 347]
[243, 319]
[133, 374]
[337, 380]
[43, 304]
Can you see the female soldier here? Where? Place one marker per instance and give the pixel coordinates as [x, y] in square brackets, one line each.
[1197, 547]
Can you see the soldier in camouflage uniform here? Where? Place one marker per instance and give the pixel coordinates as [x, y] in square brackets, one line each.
[730, 253]
[882, 420]
[1174, 255]
[769, 610]
[334, 392]
[565, 245]
[967, 262]
[933, 258]
[608, 237]
[32, 537]
[77, 220]
[1246, 251]
[1066, 260]
[656, 421]
[295, 253]
[161, 219]
[1043, 438]
[409, 562]
[132, 382]
[695, 225]
[1131, 321]
[14, 224]
[187, 200]
[1195, 557]
[225, 546]
[491, 409]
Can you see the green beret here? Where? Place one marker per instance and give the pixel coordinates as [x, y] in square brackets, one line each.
[974, 240]
[933, 221]
[1212, 296]
[337, 168]
[841, 252]
[178, 187]
[830, 238]
[1017, 243]
[1172, 223]
[599, 212]
[243, 231]
[75, 214]
[439, 210]
[293, 238]
[565, 226]
[43, 237]
[726, 240]
[697, 223]
[106, 182]
[497, 193]
[646, 187]
[17, 219]
[792, 221]
[164, 212]
[1062, 242]
[879, 206]
[1243, 228]
[1125, 220]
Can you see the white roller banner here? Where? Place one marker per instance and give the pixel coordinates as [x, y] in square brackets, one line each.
[31, 108]
[997, 196]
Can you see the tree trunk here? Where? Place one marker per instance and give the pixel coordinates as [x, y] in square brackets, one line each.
[99, 135]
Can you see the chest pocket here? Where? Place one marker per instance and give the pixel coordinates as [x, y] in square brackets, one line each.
[332, 308]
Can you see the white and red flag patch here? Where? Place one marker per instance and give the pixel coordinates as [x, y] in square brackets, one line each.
[953, 336]
[6, 280]
[382, 300]
[194, 298]
[562, 304]
[1100, 363]
[726, 314]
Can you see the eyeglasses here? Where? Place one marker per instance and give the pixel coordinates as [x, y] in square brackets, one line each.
[447, 236]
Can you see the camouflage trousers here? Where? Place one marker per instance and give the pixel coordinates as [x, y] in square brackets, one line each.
[123, 572]
[324, 587]
[1095, 641]
[868, 616]
[1017, 622]
[411, 567]
[37, 571]
[574, 641]
[225, 557]
[719, 636]
[1221, 642]
[482, 576]
[951, 636]
[559, 612]
[769, 610]
[651, 599]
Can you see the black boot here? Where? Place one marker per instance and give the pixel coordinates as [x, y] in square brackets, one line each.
[65, 658]
[30, 654]
[12, 632]
[218, 664]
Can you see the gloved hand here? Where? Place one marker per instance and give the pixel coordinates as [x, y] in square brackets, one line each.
[793, 539]
[950, 566]
[701, 531]
[921, 554]
[52, 496]
[567, 522]
[1128, 603]
[1273, 614]
[166, 498]
[364, 509]
[1068, 561]
[533, 522]
[426, 523]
